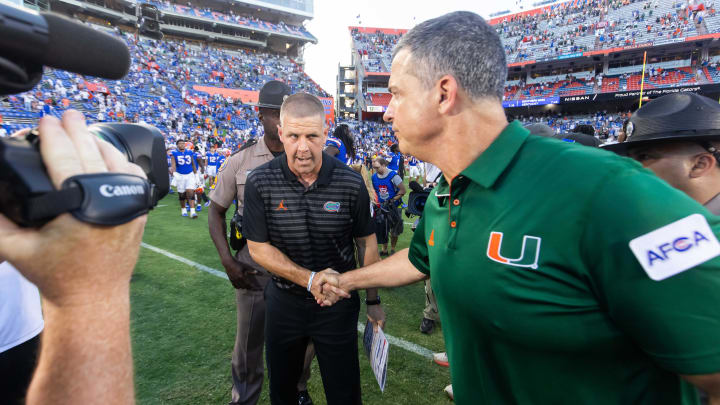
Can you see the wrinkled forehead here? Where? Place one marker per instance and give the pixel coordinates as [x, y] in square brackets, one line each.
[399, 67]
[313, 123]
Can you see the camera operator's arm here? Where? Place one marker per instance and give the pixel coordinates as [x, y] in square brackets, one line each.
[85, 354]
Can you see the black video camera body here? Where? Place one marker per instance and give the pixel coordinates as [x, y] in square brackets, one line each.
[28, 198]
[416, 201]
[29, 41]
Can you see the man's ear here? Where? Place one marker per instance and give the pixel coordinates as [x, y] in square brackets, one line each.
[280, 133]
[702, 164]
[447, 93]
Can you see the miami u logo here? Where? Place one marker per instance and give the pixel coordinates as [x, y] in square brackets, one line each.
[528, 257]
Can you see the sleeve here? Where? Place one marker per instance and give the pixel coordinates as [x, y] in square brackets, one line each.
[226, 187]
[397, 180]
[675, 321]
[332, 142]
[254, 226]
[418, 253]
[363, 224]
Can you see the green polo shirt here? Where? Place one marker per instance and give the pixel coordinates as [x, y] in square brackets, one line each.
[542, 300]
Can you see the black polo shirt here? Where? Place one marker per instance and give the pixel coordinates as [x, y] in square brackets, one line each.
[313, 226]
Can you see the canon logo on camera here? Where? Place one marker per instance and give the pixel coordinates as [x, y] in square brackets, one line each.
[119, 191]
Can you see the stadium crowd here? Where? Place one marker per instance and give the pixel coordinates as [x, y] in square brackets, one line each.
[159, 90]
[231, 15]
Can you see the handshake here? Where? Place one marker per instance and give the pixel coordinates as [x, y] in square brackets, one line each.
[327, 288]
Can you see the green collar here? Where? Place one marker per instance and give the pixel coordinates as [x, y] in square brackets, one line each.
[486, 169]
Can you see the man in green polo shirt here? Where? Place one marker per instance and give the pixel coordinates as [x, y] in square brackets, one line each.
[563, 274]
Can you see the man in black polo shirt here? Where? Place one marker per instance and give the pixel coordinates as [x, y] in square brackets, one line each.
[306, 212]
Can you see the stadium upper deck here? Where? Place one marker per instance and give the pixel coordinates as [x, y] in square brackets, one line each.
[572, 29]
[170, 81]
[227, 21]
[249, 22]
[573, 50]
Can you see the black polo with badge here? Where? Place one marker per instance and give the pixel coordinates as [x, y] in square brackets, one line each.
[314, 227]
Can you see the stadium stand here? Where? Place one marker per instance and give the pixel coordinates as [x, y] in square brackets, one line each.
[588, 51]
[177, 86]
[241, 20]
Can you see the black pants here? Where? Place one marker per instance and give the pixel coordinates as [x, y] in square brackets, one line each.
[16, 369]
[290, 321]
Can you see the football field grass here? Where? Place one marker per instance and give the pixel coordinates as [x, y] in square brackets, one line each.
[183, 325]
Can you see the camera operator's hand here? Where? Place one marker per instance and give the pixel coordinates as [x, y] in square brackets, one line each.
[83, 274]
[68, 149]
[240, 277]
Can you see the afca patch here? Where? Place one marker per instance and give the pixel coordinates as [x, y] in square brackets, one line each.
[676, 247]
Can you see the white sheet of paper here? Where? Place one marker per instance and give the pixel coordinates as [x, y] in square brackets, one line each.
[377, 351]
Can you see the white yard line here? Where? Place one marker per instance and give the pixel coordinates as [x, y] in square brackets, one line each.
[401, 343]
[190, 263]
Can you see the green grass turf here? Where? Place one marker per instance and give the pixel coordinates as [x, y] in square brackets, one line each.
[183, 326]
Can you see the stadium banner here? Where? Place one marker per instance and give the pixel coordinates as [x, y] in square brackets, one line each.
[527, 62]
[617, 49]
[701, 37]
[373, 30]
[636, 46]
[665, 41]
[245, 96]
[600, 52]
[376, 108]
[251, 97]
[570, 55]
[329, 104]
[632, 94]
[530, 102]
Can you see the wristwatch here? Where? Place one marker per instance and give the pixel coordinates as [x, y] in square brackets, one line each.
[376, 301]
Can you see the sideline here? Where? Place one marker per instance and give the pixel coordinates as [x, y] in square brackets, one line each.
[401, 343]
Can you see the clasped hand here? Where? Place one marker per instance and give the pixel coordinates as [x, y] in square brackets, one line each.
[326, 288]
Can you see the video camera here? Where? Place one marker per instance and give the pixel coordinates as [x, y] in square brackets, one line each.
[417, 198]
[29, 41]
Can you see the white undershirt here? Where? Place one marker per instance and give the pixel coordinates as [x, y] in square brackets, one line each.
[20, 313]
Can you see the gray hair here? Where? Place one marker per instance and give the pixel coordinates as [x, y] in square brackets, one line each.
[301, 105]
[460, 44]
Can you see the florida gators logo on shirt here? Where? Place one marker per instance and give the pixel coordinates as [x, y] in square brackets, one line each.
[332, 206]
[529, 255]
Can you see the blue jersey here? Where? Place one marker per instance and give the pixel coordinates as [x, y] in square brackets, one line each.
[342, 154]
[183, 161]
[213, 158]
[198, 158]
[413, 161]
[384, 187]
[220, 161]
[395, 162]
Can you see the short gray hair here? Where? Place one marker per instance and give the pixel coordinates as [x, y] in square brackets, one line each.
[460, 44]
[301, 105]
